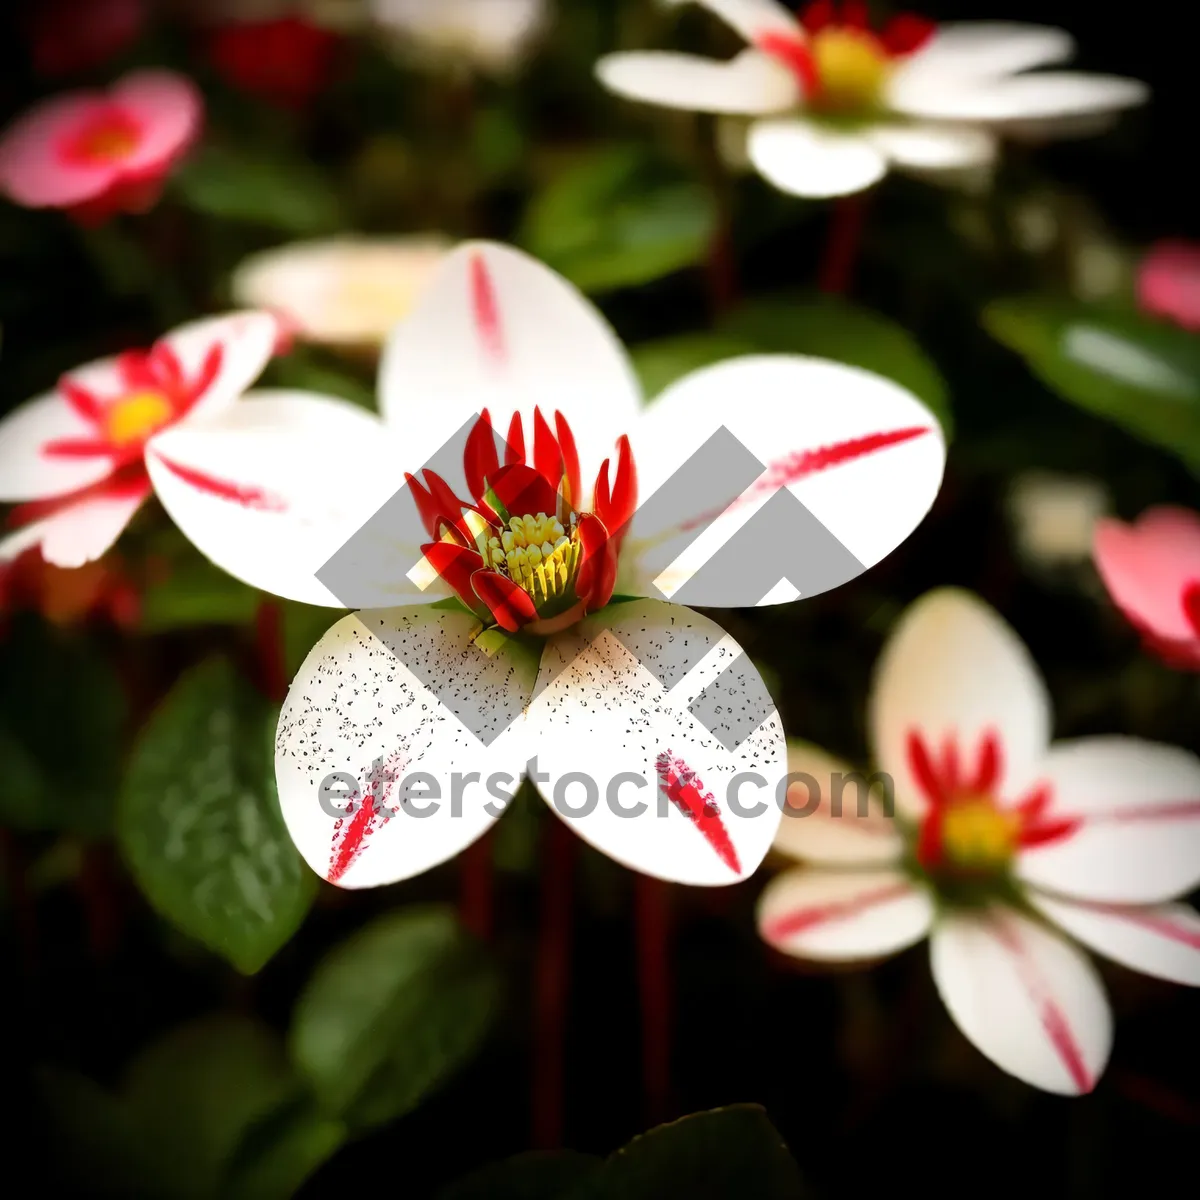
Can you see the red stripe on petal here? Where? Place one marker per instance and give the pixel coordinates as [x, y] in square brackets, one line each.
[510, 604]
[486, 310]
[801, 920]
[1054, 1020]
[350, 840]
[78, 448]
[794, 54]
[125, 483]
[808, 462]
[685, 791]
[1157, 923]
[246, 495]
[81, 400]
[990, 766]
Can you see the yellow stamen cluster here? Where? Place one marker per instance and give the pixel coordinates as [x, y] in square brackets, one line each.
[537, 553]
[136, 416]
[852, 67]
[979, 836]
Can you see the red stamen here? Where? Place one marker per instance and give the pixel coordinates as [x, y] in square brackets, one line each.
[1042, 834]
[81, 400]
[683, 789]
[920, 763]
[449, 506]
[426, 507]
[456, 565]
[514, 450]
[510, 604]
[906, 34]
[1035, 802]
[855, 15]
[989, 767]
[78, 448]
[570, 456]
[597, 575]
[522, 490]
[480, 459]
[795, 55]
[951, 778]
[547, 457]
[136, 373]
[818, 15]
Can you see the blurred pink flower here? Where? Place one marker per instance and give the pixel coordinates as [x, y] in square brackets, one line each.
[1168, 283]
[98, 153]
[1152, 571]
[67, 36]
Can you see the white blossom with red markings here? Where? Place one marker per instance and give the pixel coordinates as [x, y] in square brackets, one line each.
[835, 103]
[1000, 844]
[534, 535]
[81, 459]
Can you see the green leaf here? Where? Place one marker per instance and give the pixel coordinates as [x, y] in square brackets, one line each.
[1142, 375]
[196, 1095]
[728, 1154]
[287, 194]
[199, 821]
[196, 593]
[614, 218]
[391, 1013]
[304, 625]
[62, 717]
[302, 371]
[540, 1175]
[662, 363]
[835, 329]
[281, 1153]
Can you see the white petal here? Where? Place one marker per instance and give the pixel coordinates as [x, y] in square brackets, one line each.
[752, 83]
[843, 916]
[26, 472]
[1138, 841]
[832, 817]
[270, 488]
[933, 147]
[806, 160]
[859, 452]
[953, 669]
[1038, 96]
[752, 18]
[498, 330]
[79, 533]
[982, 50]
[612, 725]
[1161, 940]
[378, 688]
[247, 341]
[1027, 998]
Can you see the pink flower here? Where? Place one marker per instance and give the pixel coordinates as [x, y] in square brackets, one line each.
[1168, 283]
[98, 153]
[1152, 571]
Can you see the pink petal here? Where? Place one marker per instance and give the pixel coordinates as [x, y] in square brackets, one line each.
[170, 110]
[1147, 566]
[1168, 283]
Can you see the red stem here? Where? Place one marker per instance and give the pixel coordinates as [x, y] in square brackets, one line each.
[551, 985]
[841, 250]
[476, 900]
[272, 661]
[653, 919]
[101, 905]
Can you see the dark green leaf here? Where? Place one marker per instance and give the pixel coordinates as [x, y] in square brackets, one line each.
[729, 1154]
[1143, 375]
[287, 194]
[391, 1013]
[196, 1095]
[62, 717]
[660, 364]
[302, 371]
[196, 593]
[282, 1152]
[534, 1176]
[831, 328]
[614, 219]
[199, 821]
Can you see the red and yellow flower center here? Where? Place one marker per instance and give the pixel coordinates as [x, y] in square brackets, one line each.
[108, 137]
[968, 830]
[135, 417]
[843, 65]
[520, 553]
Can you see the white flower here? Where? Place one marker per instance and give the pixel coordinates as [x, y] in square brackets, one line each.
[998, 838]
[494, 35]
[1055, 517]
[342, 291]
[554, 519]
[82, 458]
[836, 104]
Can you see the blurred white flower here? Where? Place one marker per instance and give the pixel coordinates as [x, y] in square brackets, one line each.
[1008, 852]
[1054, 517]
[493, 35]
[836, 104]
[344, 291]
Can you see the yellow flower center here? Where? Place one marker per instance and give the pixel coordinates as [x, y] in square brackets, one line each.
[537, 553]
[977, 836]
[852, 68]
[134, 417]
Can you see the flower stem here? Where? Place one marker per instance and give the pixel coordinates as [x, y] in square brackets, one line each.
[476, 900]
[842, 247]
[101, 904]
[653, 921]
[551, 985]
[721, 265]
[272, 661]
